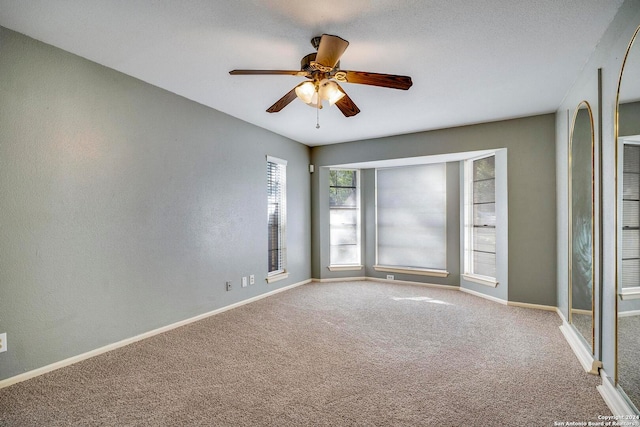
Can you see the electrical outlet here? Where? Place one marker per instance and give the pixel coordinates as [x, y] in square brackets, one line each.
[390, 277]
[229, 285]
[3, 342]
[252, 280]
[244, 282]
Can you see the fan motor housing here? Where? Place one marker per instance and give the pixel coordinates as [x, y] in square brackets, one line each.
[306, 64]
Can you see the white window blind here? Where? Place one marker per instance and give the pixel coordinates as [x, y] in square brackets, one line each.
[411, 216]
[344, 217]
[482, 241]
[276, 214]
[631, 216]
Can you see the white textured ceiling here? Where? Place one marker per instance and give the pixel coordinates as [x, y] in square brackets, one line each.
[471, 61]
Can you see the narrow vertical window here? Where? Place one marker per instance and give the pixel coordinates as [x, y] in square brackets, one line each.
[631, 216]
[481, 217]
[344, 217]
[276, 214]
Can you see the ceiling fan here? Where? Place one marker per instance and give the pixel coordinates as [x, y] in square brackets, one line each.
[323, 71]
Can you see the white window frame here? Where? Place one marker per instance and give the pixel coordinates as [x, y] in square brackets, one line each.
[468, 269]
[281, 272]
[357, 265]
[434, 272]
[627, 292]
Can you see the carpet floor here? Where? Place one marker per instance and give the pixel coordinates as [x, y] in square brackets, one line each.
[328, 354]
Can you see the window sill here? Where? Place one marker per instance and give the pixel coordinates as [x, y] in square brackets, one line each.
[345, 267]
[275, 277]
[630, 293]
[412, 270]
[481, 280]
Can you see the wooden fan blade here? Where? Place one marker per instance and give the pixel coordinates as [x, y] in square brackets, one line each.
[374, 79]
[267, 72]
[330, 50]
[283, 102]
[346, 105]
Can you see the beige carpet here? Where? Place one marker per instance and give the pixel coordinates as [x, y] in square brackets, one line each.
[356, 353]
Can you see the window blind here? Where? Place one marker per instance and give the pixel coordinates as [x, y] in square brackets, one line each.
[276, 214]
[411, 216]
[631, 216]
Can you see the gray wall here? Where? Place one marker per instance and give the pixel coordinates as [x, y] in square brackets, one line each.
[608, 56]
[531, 189]
[124, 207]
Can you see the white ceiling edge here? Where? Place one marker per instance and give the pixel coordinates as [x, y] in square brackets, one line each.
[417, 160]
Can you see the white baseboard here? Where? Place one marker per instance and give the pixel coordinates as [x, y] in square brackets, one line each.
[512, 303]
[340, 279]
[581, 311]
[616, 402]
[80, 357]
[559, 312]
[629, 313]
[481, 295]
[588, 362]
[533, 306]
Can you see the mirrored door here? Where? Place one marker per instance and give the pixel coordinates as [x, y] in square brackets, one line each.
[628, 220]
[581, 224]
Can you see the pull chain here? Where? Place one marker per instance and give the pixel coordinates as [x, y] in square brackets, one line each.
[318, 105]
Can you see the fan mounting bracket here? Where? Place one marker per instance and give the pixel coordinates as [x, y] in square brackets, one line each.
[315, 42]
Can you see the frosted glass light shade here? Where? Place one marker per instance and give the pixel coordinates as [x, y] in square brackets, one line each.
[306, 92]
[326, 90]
[330, 91]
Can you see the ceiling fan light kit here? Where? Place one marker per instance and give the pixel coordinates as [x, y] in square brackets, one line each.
[323, 71]
[325, 90]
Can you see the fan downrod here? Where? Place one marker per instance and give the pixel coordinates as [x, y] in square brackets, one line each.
[315, 42]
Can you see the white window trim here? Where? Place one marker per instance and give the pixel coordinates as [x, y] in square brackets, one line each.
[412, 270]
[468, 225]
[630, 293]
[276, 160]
[350, 267]
[481, 280]
[403, 269]
[275, 276]
[281, 274]
[345, 267]
[626, 293]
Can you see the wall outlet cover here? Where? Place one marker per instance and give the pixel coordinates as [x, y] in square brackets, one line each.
[3, 342]
[252, 279]
[244, 282]
[228, 285]
[390, 277]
